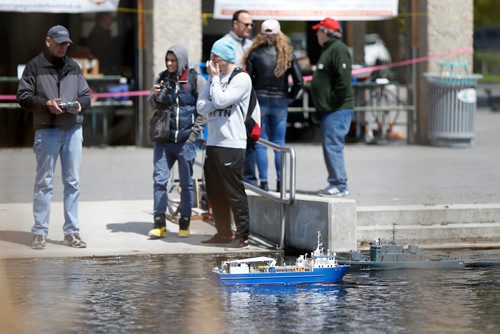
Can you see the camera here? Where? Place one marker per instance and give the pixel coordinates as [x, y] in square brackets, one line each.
[166, 91]
[166, 86]
[71, 107]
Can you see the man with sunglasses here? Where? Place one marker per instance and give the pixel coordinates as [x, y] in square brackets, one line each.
[241, 29]
[242, 26]
[53, 88]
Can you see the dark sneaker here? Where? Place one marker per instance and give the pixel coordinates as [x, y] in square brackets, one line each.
[184, 227]
[159, 228]
[239, 243]
[38, 242]
[218, 239]
[74, 240]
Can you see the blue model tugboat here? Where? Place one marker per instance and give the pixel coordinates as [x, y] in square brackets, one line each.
[321, 267]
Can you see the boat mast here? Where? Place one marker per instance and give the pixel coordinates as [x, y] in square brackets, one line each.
[394, 233]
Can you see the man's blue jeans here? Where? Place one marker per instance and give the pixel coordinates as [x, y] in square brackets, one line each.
[334, 127]
[249, 175]
[48, 146]
[165, 155]
[274, 114]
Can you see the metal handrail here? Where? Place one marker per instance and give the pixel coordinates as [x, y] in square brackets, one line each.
[285, 198]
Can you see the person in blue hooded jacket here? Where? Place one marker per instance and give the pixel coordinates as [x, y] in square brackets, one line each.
[176, 90]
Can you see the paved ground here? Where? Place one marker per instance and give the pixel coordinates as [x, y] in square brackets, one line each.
[116, 187]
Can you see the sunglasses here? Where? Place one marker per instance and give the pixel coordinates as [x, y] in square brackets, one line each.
[61, 44]
[248, 25]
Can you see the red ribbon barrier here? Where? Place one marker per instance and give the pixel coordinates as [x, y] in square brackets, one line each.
[95, 96]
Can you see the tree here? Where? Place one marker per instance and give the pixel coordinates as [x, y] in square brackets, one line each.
[486, 13]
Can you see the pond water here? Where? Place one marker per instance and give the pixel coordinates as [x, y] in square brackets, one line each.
[175, 294]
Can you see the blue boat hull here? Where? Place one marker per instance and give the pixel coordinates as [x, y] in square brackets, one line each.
[319, 275]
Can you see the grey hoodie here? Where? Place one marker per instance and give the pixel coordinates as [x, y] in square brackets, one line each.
[182, 119]
[181, 54]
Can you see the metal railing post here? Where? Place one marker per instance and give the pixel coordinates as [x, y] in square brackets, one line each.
[286, 195]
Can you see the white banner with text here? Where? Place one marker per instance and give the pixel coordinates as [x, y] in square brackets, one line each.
[309, 10]
[58, 6]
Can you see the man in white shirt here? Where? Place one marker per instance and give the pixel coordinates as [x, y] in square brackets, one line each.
[241, 29]
[242, 26]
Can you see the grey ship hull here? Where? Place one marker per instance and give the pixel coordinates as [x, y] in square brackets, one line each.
[388, 265]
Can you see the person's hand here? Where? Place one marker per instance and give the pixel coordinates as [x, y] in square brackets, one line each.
[212, 69]
[192, 137]
[157, 88]
[75, 110]
[53, 106]
[79, 108]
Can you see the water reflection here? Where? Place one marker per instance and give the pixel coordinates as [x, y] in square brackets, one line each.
[282, 308]
[176, 294]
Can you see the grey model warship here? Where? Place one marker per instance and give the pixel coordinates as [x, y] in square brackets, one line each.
[385, 255]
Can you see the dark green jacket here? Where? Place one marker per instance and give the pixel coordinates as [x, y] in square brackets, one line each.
[331, 87]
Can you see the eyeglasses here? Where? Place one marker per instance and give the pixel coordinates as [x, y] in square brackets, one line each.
[61, 44]
[248, 25]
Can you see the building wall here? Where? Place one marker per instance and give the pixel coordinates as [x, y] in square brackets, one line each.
[166, 23]
[176, 22]
[450, 27]
[443, 26]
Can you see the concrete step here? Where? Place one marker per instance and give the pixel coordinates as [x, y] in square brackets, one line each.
[431, 226]
[349, 226]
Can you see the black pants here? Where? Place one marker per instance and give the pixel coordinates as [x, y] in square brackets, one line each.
[226, 191]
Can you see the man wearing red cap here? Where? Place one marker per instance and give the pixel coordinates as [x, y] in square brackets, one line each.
[333, 98]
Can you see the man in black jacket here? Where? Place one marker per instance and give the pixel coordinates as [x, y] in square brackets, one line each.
[53, 88]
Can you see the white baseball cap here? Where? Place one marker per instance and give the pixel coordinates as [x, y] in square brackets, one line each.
[270, 27]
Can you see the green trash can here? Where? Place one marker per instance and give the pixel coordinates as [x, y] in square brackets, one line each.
[452, 117]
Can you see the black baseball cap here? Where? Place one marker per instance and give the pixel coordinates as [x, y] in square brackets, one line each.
[59, 34]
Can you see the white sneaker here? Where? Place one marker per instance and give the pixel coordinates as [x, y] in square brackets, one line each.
[332, 191]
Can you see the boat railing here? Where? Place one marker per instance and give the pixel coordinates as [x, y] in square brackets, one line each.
[286, 194]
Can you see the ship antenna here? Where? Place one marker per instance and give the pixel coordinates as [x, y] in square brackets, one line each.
[394, 233]
[319, 249]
